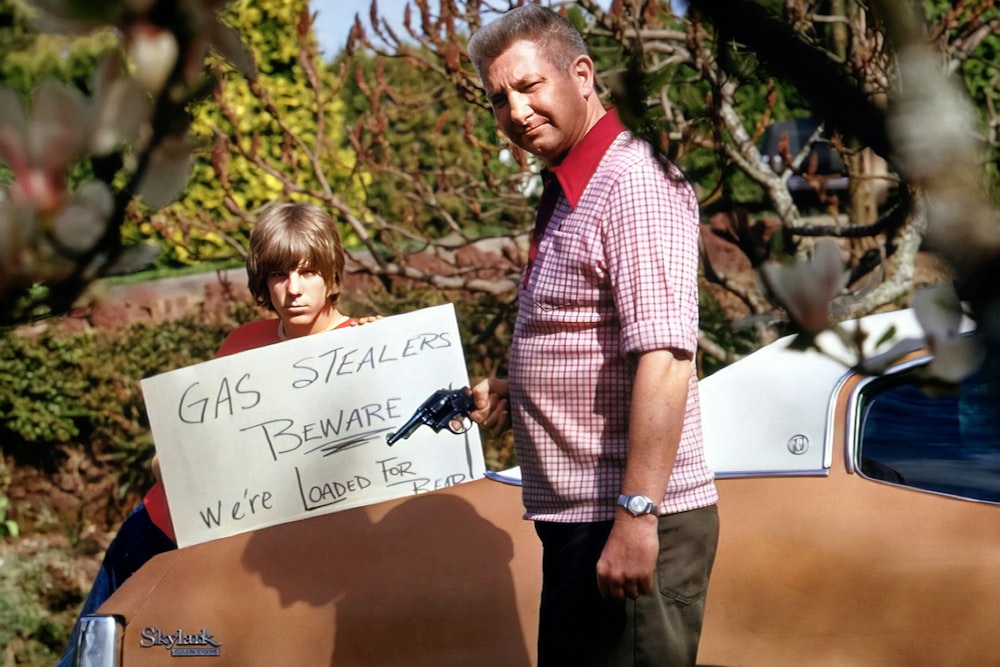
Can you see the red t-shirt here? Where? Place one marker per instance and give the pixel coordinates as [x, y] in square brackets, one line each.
[247, 337]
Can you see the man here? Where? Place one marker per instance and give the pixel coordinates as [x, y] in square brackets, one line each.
[295, 269]
[602, 388]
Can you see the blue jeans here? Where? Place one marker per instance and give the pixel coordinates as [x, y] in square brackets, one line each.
[137, 540]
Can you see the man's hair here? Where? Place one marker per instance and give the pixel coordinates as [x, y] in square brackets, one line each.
[294, 236]
[556, 37]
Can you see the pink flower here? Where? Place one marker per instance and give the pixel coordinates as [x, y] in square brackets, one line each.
[40, 146]
[806, 288]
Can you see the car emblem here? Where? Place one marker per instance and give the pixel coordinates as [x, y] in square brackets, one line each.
[798, 444]
[180, 643]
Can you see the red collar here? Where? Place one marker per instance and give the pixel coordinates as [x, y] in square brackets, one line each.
[576, 170]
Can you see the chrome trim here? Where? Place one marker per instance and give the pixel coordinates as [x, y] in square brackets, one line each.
[510, 476]
[755, 474]
[831, 421]
[99, 642]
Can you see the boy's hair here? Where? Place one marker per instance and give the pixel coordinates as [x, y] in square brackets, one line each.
[555, 36]
[293, 236]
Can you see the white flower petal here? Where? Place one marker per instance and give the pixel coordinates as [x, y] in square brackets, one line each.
[807, 288]
[956, 358]
[120, 108]
[134, 258]
[938, 311]
[83, 220]
[228, 44]
[154, 53]
[167, 173]
[57, 130]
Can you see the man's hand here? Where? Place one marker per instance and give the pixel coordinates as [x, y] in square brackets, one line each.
[625, 569]
[492, 410]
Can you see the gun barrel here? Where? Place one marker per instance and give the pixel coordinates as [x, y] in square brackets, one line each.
[407, 430]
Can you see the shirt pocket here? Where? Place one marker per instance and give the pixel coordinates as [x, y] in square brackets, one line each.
[570, 275]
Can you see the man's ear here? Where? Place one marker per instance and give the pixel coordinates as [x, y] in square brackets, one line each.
[583, 71]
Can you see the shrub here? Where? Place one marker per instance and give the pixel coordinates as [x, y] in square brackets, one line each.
[83, 388]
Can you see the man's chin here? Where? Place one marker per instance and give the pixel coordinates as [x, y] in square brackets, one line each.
[538, 151]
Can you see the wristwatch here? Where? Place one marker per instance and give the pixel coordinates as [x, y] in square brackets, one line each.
[637, 504]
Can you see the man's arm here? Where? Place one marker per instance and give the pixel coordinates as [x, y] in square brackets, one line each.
[659, 402]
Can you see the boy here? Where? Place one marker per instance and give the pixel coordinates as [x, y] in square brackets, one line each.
[295, 269]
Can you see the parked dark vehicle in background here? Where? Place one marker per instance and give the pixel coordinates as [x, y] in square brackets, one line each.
[860, 526]
[786, 139]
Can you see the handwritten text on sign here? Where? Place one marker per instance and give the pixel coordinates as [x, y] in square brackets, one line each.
[298, 428]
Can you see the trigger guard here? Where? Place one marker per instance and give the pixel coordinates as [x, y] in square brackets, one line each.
[465, 423]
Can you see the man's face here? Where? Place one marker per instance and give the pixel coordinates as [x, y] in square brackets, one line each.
[539, 107]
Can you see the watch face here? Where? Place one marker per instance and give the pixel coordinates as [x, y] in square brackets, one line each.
[636, 504]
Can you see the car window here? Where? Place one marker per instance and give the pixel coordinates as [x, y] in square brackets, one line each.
[825, 159]
[927, 436]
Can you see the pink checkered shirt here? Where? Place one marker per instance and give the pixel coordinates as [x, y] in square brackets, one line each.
[615, 275]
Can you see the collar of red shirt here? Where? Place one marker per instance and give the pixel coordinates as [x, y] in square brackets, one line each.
[575, 171]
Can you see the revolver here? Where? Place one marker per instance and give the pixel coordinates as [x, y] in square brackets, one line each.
[445, 408]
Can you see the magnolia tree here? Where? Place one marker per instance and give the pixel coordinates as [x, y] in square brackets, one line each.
[893, 87]
[79, 162]
[435, 196]
[703, 87]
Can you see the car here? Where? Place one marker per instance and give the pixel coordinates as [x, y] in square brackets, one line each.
[860, 525]
[860, 515]
[823, 164]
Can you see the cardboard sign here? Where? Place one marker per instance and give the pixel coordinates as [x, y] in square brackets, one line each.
[299, 428]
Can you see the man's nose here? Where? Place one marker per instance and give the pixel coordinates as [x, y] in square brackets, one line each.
[520, 108]
[294, 282]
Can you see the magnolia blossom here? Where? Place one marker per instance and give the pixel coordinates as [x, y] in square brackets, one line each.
[29, 256]
[45, 227]
[154, 53]
[153, 46]
[806, 288]
[167, 172]
[940, 314]
[39, 147]
[119, 111]
[82, 221]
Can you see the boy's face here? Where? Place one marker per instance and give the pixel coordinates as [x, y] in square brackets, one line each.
[302, 300]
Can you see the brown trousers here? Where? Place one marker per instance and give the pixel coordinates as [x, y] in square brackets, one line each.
[580, 628]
